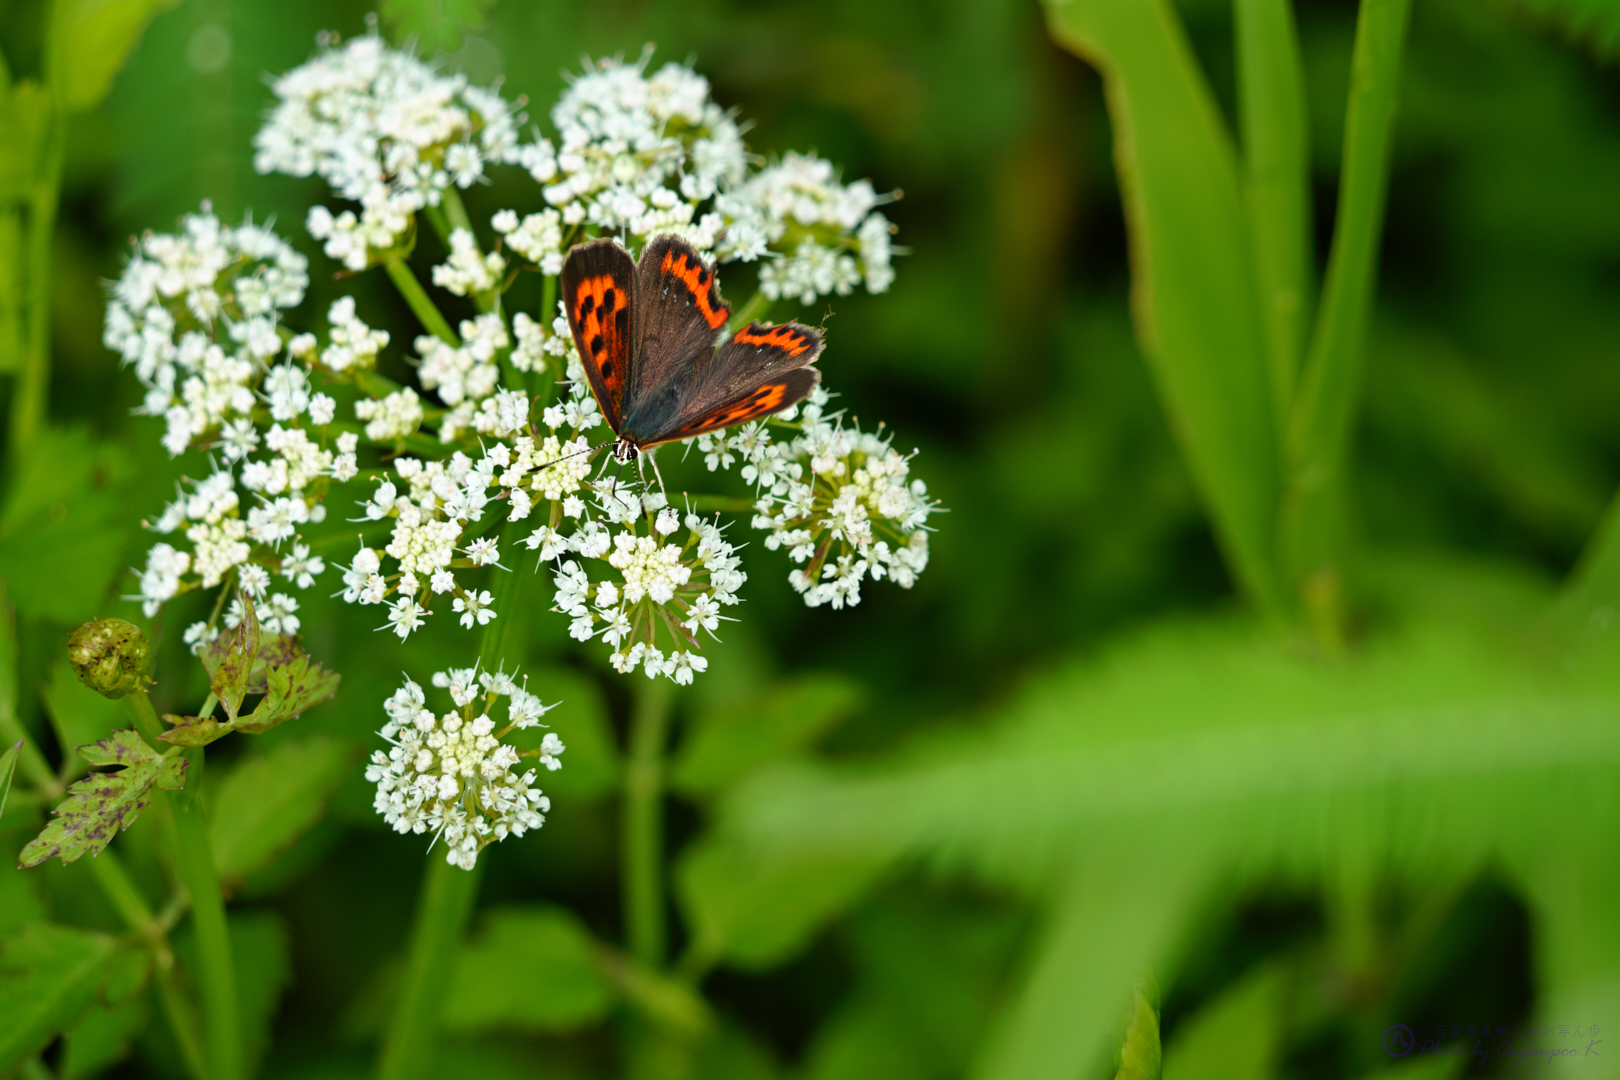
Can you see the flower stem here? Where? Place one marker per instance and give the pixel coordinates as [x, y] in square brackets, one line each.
[447, 895]
[194, 865]
[32, 390]
[454, 210]
[642, 845]
[417, 297]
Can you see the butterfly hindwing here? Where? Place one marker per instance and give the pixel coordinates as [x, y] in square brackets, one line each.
[759, 370]
[679, 315]
[599, 295]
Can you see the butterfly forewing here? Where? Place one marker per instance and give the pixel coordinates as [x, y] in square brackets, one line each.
[599, 295]
[678, 317]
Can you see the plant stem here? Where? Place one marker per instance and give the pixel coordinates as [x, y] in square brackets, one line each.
[417, 297]
[454, 210]
[1320, 423]
[31, 393]
[146, 717]
[642, 844]
[194, 864]
[448, 893]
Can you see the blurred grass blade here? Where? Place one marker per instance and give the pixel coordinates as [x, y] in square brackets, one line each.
[8, 766]
[90, 40]
[1195, 291]
[1139, 1055]
[1124, 907]
[1276, 168]
[1234, 1037]
[1591, 596]
[1320, 424]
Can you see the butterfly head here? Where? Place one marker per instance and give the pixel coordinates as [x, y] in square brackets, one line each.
[625, 451]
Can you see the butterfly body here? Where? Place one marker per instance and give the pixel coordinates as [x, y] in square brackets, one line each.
[647, 337]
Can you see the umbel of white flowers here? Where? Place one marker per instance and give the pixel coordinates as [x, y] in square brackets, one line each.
[452, 775]
[451, 475]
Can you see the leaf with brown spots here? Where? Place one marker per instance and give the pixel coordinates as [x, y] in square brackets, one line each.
[102, 804]
[293, 688]
[235, 670]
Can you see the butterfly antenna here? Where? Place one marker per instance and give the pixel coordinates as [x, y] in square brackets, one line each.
[575, 454]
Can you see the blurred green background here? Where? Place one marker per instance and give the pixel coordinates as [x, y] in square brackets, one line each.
[1486, 452]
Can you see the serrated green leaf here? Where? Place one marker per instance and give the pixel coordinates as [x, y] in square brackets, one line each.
[274, 650]
[98, 807]
[235, 669]
[91, 39]
[292, 688]
[436, 25]
[48, 978]
[754, 907]
[194, 730]
[726, 743]
[1139, 1054]
[528, 968]
[1234, 1037]
[267, 801]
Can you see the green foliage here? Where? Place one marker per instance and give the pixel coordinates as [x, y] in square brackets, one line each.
[48, 977]
[98, 807]
[8, 766]
[91, 39]
[1234, 1037]
[1594, 23]
[532, 968]
[269, 799]
[1139, 1054]
[103, 1037]
[78, 714]
[725, 743]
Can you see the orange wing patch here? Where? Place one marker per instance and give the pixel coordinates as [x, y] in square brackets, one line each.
[786, 338]
[699, 281]
[602, 314]
[761, 402]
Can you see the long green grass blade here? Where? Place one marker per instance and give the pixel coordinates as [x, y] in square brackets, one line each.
[1276, 178]
[1320, 424]
[1195, 289]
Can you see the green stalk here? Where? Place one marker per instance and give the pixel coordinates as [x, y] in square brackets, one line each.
[32, 390]
[411, 289]
[448, 893]
[455, 211]
[642, 845]
[757, 306]
[1320, 422]
[193, 853]
[1276, 165]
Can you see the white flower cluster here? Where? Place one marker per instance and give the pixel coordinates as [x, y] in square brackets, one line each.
[832, 236]
[648, 588]
[465, 374]
[386, 131]
[838, 499]
[197, 313]
[453, 775]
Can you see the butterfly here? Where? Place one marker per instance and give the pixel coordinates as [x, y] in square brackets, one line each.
[646, 334]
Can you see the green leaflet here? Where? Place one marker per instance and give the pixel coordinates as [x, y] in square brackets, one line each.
[288, 689]
[48, 978]
[1139, 1054]
[528, 968]
[90, 40]
[1195, 290]
[230, 677]
[269, 799]
[436, 25]
[102, 804]
[292, 688]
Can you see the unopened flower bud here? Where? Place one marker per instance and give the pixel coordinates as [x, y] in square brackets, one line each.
[110, 656]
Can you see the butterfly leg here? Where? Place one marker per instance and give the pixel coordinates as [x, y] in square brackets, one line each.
[649, 456]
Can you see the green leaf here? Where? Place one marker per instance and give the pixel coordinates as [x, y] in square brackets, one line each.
[724, 744]
[1595, 23]
[102, 804]
[78, 713]
[274, 650]
[293, 688]
[1139, 1057]
[8, 766]
[194, 730]
[754, 907]
[1234, 1037]
[25, 119]
[268, 799]
[234, 671]
[91, 39]
[528, 968]
[103, 1038]
[437, 25]
[1194, 288]
[48, 978]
